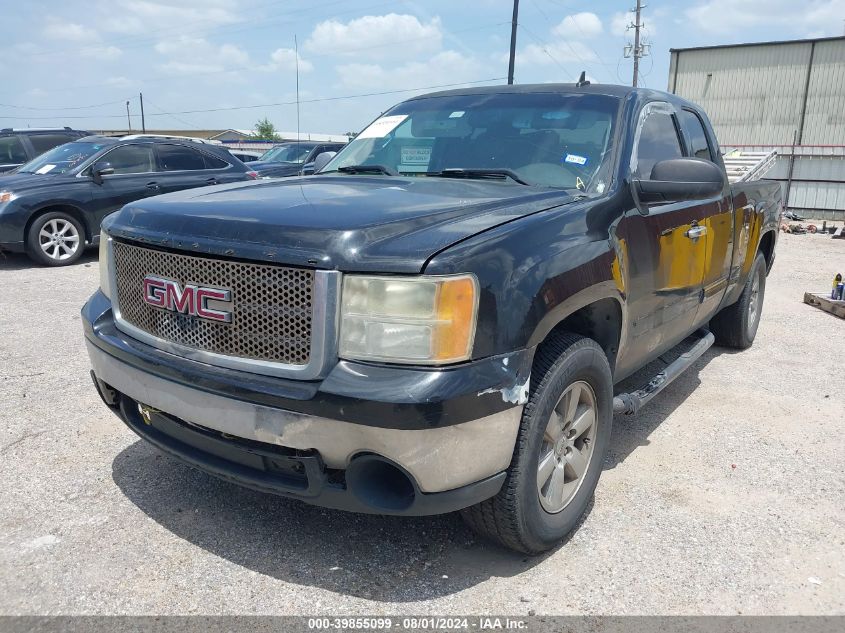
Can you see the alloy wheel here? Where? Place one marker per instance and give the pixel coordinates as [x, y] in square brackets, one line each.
[567, 447]
[59, 239]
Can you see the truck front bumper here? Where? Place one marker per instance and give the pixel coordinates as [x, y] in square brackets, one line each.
[387, 440]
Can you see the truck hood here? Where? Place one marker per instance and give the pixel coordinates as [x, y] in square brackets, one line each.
[344, 222]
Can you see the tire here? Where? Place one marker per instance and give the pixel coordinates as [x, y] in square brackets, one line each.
[517, 517]
[55, 239]
[736, 325]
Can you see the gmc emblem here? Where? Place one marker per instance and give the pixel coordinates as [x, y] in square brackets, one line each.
[191, 300]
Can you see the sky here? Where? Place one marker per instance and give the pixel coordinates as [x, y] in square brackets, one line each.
[217, 64]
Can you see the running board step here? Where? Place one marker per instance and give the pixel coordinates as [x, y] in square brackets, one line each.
[630, 403]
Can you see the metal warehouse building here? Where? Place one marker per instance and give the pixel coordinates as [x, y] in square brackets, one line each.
[788, 96]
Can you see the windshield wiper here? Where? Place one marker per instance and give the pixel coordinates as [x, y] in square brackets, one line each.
[367, 169]
[491, 173]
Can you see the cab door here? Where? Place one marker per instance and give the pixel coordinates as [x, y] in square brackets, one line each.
[665, 243]
[718, 219]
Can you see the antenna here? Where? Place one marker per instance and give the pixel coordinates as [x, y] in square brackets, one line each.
[296, 59]
[582, 80]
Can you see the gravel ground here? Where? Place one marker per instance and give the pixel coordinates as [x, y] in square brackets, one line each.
[725, 495]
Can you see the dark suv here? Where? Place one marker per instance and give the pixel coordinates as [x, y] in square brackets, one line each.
[288, 159]
[18, 146]
[53, 205]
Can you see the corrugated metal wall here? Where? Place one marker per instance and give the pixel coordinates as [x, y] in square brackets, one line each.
[776, 94]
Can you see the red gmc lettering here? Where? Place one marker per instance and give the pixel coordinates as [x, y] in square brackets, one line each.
[191, 300]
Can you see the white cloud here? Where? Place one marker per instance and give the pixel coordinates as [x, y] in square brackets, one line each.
[377, 37]
[196, 55]
[444, 67]
[69, 31]
[580, 25]
[816, 16]
[140, 16]
[120, 82]
[103, 53]
[285, 59]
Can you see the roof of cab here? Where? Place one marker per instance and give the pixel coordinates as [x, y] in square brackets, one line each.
[611, 90]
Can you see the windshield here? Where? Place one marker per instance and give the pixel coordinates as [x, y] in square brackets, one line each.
[293, 153]
[548, 139]
[61, 159]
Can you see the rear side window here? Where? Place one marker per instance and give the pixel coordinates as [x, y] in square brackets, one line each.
[212, 162]
[129, 159]
[658, 141]
[179, 158]
[11, 150]
[699, 148]
[42, 142]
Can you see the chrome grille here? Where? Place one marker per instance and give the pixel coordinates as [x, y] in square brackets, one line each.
[272, 306]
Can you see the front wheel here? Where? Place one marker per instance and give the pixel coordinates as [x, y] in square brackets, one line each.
[55, 239]
[560, 448]
[736, 325]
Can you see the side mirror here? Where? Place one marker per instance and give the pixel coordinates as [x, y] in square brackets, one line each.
[307, 169]
[681, 179]
[100, 170]
[322, 160]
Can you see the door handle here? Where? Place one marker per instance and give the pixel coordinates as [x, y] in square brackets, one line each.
[153, 185]
[696, 231]
[211, 181]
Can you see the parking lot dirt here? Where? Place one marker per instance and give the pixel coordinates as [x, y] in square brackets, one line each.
[725, 495]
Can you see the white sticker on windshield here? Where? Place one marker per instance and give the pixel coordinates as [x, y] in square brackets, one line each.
[574, 158]
[383, 126]
[45, 169]
[416, 155]
[457, 114]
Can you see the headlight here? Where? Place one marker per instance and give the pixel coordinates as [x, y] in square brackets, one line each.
[105, 277]
[6, 196]
[425, 320]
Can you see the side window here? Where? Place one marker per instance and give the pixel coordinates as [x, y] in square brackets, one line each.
[699, 148]
[129, 159]
[12, 151]
[212, 162]
[43, 142]
[658, 141]
[179, 158]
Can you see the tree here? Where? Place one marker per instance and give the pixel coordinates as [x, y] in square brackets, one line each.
[266, 130]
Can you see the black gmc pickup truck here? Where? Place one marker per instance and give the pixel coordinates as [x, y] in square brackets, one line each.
[437, 319]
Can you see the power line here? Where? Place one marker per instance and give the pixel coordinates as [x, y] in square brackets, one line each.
[545, 48]
[85, 107]
[282, 103]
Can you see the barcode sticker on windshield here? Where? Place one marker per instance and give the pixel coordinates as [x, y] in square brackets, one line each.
[45, 169]
[383, 126]
[574, 158]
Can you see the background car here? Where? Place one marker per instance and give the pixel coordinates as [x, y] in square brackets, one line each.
[287, 159]
[18, 146]
[246, 155]
[51, 208]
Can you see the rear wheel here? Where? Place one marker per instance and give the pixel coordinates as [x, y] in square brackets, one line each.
[563, 436]
[55, 239]
[736, 325]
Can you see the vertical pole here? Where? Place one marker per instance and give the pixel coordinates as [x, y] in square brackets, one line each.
[513, 41]
[637, 44]
[296, 59]
[128, 120]
[791, 169]
[143, 122]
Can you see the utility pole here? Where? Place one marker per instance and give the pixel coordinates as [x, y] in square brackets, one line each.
[128, 120]
[638, 50]
[513, 41]
[143, 123]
